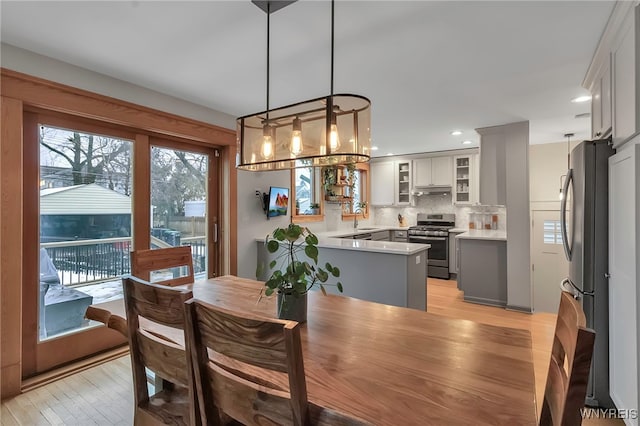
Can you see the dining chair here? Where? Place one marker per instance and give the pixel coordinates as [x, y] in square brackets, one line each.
[270, 345]
[270, 389]
[175, 403]
[569, 366]
[143, 262]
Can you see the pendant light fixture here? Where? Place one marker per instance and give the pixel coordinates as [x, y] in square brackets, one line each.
[331, 130]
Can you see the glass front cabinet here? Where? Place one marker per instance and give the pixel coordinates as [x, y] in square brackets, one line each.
[403, 182]
[465, 184]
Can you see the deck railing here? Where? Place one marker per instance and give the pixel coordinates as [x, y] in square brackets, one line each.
[83, 262]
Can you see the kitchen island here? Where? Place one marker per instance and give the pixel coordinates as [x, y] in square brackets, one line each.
[482, 273]
[386, 272]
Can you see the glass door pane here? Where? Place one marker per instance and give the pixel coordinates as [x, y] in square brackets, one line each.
[179, 205]
[85, 225]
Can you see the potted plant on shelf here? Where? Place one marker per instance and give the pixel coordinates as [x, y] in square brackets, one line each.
[315, 208]
[293, 278]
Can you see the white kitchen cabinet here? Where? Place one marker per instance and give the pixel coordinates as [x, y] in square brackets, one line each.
[626, 92]
[613, 76]
[403, 182]
[382, 183]
[465, 177]
[624, 258]
[432, 171]
[601, 102]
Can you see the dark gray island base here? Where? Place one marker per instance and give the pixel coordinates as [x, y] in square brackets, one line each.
[482, 274]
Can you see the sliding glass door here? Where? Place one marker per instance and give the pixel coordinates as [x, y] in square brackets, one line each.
[180, 206]
[93, 194]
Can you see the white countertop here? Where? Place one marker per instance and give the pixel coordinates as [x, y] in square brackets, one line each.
[364, 230]
[483, 234]
[332, 239]
[389, 247]
[458, 230]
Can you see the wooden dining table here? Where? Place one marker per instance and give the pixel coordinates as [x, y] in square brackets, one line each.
[395, 366]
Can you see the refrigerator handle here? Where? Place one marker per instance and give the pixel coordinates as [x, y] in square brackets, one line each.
[563, 214]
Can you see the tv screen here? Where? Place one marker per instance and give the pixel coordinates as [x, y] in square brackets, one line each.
[278, 201]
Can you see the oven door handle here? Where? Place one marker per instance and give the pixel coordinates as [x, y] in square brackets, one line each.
[428, 238]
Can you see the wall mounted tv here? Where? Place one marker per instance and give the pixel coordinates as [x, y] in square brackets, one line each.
[278, 201]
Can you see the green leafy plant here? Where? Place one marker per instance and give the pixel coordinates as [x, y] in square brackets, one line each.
[314, 206]
[329, 178]
[292, 275]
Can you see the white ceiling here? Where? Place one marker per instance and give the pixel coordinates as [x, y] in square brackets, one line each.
[428, 67]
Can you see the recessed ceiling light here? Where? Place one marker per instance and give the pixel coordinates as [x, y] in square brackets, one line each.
[581, 99]
[374, 148]
[456, 133]
[467, 142]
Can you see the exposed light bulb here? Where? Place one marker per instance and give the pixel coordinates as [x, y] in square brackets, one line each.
[296, 137]
[334, 139]
[267, 142]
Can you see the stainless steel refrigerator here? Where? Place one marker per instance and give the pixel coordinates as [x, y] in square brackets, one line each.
[584, 225]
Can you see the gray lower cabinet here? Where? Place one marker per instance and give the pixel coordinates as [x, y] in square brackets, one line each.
[482, 274]
[380, 236]
[401, 236]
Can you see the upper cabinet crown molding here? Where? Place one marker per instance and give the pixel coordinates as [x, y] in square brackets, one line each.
[613, 77]
[622, 11]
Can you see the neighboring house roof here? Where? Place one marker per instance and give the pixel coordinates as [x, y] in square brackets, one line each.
[83, 199]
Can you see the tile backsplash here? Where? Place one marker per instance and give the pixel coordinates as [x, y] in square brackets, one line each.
[437, 203]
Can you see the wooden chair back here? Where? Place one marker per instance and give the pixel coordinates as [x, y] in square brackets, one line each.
[143, 262]
[569, 366]
[168, 359]
[268, 344]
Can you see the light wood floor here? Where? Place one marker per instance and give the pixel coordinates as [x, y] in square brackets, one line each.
[103, 395]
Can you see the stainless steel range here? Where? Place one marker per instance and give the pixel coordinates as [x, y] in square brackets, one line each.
[434, 229]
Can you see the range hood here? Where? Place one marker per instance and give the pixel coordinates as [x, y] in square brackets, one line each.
[430, 190]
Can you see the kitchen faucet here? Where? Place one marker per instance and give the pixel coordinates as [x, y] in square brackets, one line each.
[355, 217]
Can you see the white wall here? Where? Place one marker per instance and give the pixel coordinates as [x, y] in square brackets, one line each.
[547, 162]
[27, 62]
[253, 223]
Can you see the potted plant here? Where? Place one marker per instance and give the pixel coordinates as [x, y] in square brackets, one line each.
[329, 179]
[315, 208]
[292, 277]
[297, 207]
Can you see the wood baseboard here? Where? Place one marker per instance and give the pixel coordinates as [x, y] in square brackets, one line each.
[67, 370]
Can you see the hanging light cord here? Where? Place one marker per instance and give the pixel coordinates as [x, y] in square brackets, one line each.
[268, 44]
[332, 20]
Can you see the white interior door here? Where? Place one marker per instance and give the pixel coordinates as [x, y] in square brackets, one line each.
[549, 263]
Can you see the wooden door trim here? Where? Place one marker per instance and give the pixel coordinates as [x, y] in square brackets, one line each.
[11, 246]
[40, 93]
[20, 93]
